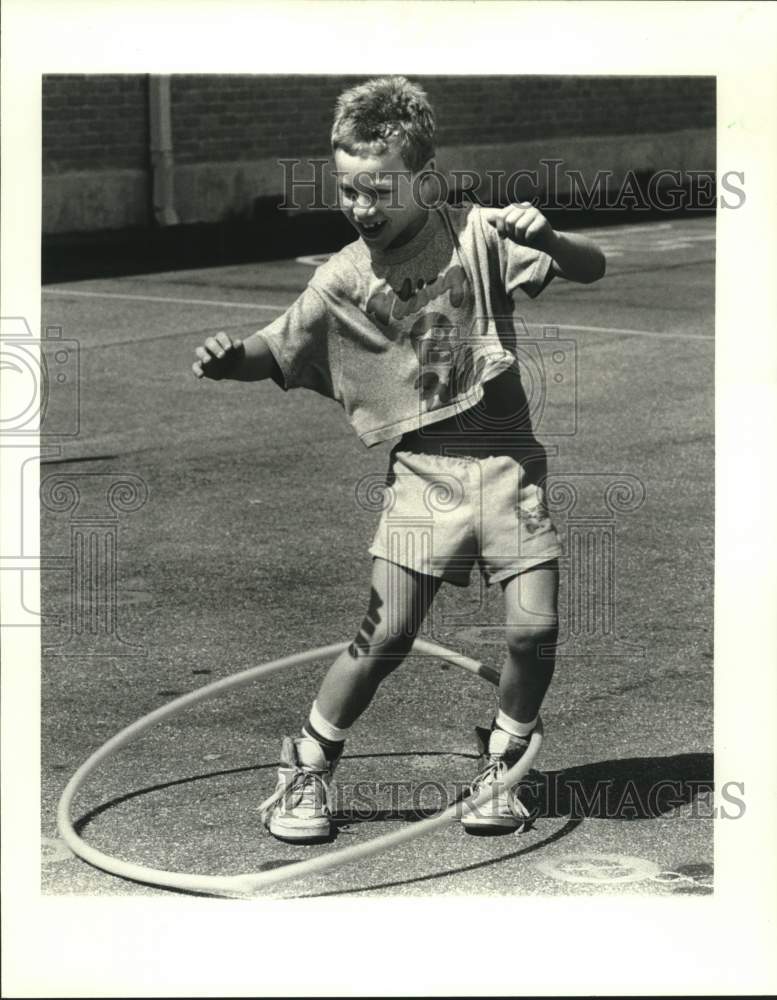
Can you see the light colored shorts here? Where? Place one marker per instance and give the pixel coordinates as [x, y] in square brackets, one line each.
[444, 514]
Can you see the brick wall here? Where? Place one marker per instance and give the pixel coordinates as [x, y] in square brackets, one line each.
[229, 131]
[95, 123]
[249, 118]
[494, 109]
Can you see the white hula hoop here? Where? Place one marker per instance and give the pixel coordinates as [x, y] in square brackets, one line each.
[250, 883]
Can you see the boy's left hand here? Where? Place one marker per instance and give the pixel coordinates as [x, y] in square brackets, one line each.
[523, 224]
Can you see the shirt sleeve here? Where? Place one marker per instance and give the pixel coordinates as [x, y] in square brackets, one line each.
[519, 267]
[301, 343]
[523, 268]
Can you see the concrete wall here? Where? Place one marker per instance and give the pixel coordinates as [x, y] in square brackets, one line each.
[228, 133]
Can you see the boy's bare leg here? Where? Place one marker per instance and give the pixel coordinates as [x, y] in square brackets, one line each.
[531, 632]
[531, 605]
[298, 811]
[399, 601]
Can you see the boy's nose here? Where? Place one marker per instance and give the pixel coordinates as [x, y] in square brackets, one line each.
[364, 206]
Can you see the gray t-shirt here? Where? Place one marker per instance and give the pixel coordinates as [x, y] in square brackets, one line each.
[406, 338]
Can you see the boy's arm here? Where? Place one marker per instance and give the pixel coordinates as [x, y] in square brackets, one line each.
[223, 356]
[574, 257]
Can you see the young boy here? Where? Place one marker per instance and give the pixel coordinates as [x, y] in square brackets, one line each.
[410, 329]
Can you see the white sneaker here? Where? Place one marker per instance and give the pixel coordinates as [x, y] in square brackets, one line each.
[298, 810]
[509, 808]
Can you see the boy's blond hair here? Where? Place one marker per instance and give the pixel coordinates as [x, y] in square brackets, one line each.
[370, 116]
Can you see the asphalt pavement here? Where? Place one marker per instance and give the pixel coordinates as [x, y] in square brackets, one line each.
[245, 542]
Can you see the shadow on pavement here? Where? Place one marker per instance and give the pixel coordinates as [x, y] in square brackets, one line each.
[624, 789]
[83, 821]
[628, 789]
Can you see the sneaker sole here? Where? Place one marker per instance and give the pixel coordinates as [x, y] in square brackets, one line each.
[490, 825]
[295, 835]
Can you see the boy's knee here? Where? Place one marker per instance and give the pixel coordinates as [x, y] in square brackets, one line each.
[385, 647]
[528, 638]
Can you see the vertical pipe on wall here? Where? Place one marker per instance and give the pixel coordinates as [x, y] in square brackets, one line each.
[161, 151]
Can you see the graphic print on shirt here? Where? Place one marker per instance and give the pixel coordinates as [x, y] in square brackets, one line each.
[393, 305]
[406, 339]
[447, 363]
[447, 367]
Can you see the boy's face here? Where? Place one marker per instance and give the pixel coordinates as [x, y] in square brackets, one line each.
[380, 197]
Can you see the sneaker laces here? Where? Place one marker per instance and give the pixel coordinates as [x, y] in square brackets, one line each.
[301, 788]
[490, 775]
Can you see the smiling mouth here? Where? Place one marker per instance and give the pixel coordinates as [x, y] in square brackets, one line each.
[372, 229]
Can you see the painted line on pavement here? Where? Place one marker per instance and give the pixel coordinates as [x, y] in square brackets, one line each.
[615, 331]
[164, 298]
[618, 332]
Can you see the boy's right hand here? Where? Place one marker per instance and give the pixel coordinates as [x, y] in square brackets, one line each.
[218, 357]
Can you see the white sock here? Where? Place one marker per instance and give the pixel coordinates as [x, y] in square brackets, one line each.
[325, 728]
[512, 726]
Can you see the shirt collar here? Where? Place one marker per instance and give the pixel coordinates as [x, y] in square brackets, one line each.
[409, 249]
